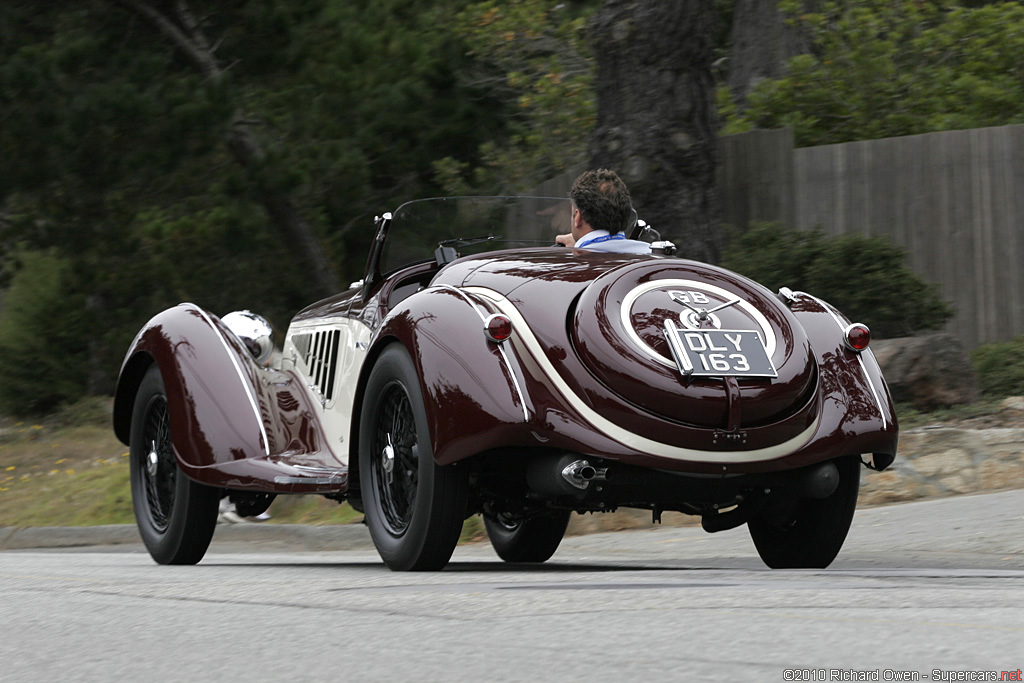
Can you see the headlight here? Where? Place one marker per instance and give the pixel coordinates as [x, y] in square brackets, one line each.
[254, 331]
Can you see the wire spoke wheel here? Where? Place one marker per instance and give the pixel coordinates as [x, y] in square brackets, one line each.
[414, 507]
[159, 469]
[396, 469]
[175, 515]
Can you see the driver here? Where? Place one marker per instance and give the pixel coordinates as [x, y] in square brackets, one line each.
[600, 208]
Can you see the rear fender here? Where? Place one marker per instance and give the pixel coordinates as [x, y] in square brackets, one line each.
[474, 399]
[856, 399]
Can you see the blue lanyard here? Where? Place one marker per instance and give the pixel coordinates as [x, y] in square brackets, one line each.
[602, 238]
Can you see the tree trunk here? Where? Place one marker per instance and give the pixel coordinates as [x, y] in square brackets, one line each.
[187, 36]
[656, 122]
[761, 44]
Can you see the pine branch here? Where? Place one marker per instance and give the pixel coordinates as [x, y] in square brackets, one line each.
[194, 46]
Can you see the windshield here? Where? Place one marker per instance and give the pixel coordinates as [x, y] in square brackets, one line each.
[471, 225]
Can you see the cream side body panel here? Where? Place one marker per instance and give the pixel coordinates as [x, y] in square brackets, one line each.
[335, 413]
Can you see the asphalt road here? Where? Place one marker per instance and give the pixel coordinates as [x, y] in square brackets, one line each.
[931, 589]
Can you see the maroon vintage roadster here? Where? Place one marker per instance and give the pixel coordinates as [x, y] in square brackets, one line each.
[476, 369]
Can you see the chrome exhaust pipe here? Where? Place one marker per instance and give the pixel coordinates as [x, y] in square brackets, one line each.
[563, 475]
[580, 473]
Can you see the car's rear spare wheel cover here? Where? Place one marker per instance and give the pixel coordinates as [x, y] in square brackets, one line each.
[618, 332]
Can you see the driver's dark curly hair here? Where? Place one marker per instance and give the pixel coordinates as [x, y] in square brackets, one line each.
[603, 199]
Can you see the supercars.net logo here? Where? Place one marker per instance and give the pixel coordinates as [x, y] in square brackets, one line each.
[898, 675]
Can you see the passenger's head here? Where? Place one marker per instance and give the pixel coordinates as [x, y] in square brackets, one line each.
[603, 200]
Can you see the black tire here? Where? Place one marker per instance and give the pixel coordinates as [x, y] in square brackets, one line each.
[528, 540]
[808, 532]
[175, 515]
[414, 508]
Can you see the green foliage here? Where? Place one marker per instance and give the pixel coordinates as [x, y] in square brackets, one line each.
[532, 56]
[90, 411]
[1000, 367]
[882, 68]
[115, 155]
[864, 277]
[42, 348]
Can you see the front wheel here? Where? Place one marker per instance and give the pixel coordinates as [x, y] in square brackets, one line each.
[808, 532]
[534, 539]
[414, 508]
[175, 515]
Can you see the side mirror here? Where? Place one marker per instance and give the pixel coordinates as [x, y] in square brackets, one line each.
[646, 233]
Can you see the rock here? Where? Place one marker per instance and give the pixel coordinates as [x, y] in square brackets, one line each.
[949, 461]
[929, 371]
[1000, 474]
[1013, 404]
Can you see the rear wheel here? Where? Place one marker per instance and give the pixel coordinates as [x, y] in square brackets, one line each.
[534, 539]
[175, 515]
[414, 508]
[808, 532]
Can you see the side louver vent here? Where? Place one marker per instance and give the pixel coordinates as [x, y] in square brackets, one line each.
[319, 350]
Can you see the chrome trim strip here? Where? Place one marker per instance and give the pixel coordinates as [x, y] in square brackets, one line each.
[767, 334]
[241, 375]
[616, 433]
[452, 288]
[860, 355]
[501, 346]
[871, 384]
[329, 471]
[674, 345]
[315, 481]
[515, 383]
[827, 307]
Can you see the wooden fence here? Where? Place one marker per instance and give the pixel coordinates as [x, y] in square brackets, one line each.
[953, 200]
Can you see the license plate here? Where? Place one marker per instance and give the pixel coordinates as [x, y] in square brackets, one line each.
[718, 353]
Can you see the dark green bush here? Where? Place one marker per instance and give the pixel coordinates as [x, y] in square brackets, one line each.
[42, 340]
[1000, 367]
[89, 411]
[864, 277]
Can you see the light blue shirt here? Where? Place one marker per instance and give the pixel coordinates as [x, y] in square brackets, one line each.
[616, 244]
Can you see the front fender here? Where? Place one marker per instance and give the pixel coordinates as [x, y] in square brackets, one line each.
[857, 407]
[474, 400]
[213, 394]
[233, 425]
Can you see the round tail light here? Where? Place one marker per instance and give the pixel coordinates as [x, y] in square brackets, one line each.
[857, 337]
[498, 328]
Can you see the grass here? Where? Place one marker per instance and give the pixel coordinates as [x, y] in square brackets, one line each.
[62, 476]
[70, 470]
